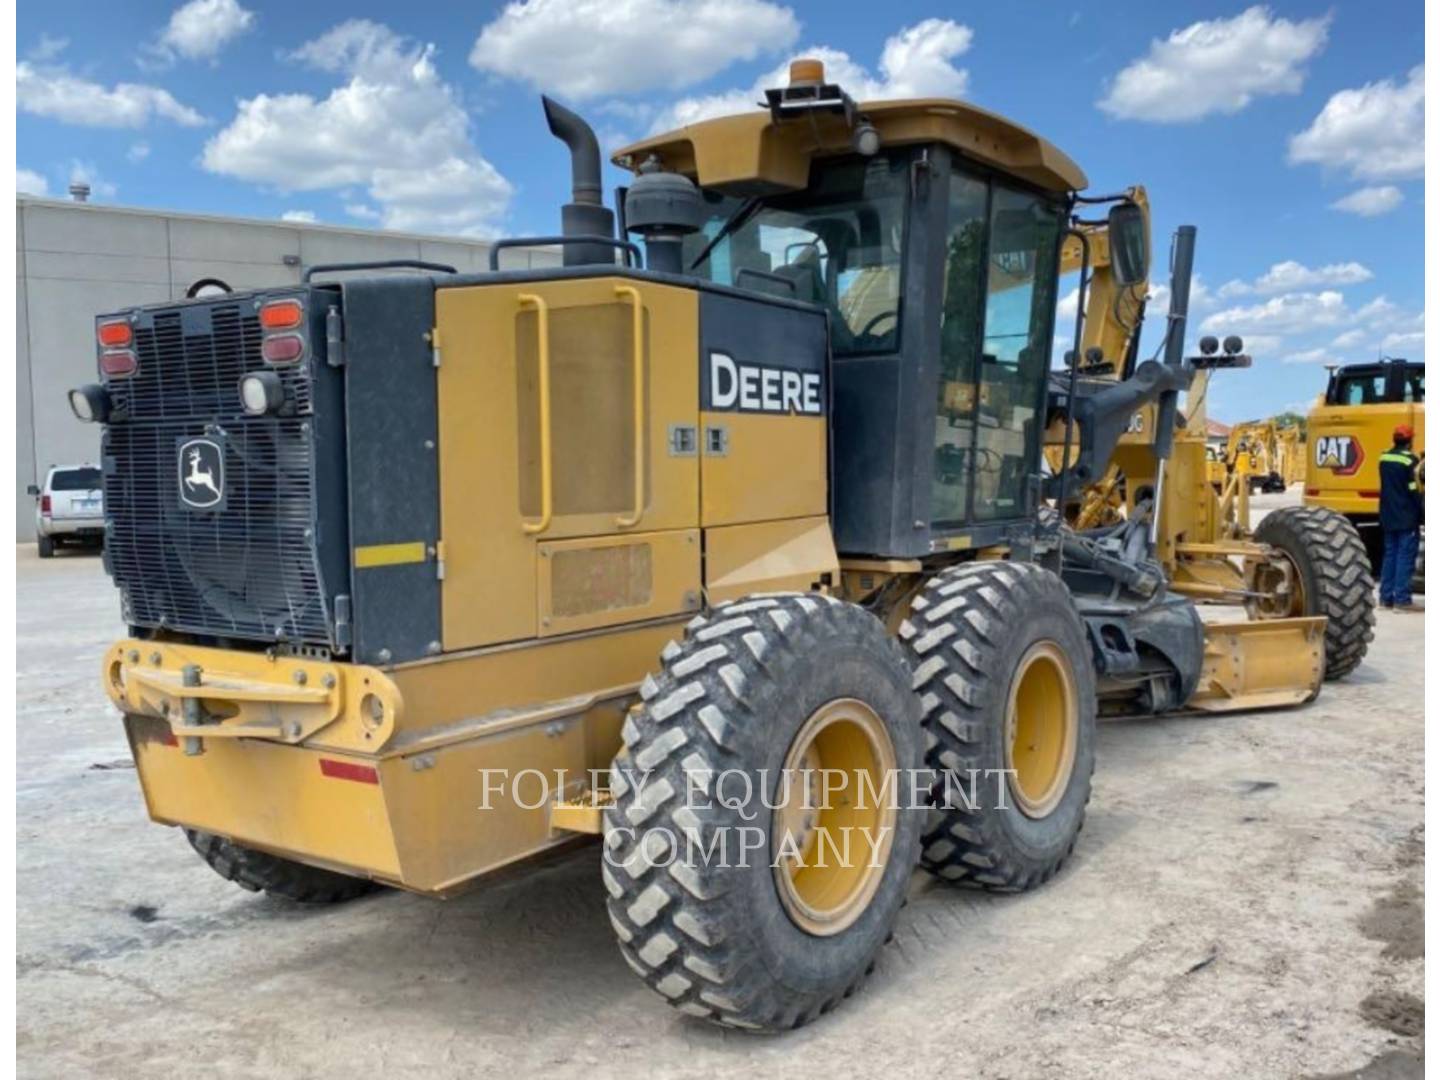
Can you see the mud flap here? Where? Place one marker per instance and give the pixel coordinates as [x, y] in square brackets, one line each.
[1260, 664]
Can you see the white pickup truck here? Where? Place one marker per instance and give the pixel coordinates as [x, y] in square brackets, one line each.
[69, 507]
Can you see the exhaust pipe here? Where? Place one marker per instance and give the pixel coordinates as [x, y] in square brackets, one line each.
[586, 214]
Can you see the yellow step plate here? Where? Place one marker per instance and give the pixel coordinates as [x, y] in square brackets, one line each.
[582, 814]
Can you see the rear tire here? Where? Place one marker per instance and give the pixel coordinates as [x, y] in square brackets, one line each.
[45, 545]
[1334, 571]
[975, 633]
[283, 878]
[744, 940]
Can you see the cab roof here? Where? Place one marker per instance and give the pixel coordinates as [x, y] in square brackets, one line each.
[749, 154]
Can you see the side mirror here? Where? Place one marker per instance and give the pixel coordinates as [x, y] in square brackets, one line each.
[32, 490]
[1129, 243]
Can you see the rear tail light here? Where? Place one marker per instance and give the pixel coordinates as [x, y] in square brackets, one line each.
[348, 770]
[44, 504]
[115, 334]
[1369, 494]
[280, 315]
[283, 348]
[118, 363]
[1312, 491]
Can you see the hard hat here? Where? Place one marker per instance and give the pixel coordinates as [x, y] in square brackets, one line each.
[1404, 433]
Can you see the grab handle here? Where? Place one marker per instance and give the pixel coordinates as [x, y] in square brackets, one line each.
[637, 331]
[542, 321]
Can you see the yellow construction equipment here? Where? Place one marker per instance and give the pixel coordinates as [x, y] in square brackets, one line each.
[752, 560]
[1349, 427]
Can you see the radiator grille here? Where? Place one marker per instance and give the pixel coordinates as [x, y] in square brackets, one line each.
[248, 570]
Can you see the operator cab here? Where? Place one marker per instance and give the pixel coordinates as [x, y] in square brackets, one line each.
[1387, 382]
[938, 269]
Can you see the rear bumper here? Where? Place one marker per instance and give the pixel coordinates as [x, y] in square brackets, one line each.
[76, 526]
[457, 777]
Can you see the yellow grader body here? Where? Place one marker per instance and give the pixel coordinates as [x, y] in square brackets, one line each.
[472, 565]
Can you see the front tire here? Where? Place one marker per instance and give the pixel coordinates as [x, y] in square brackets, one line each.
[1333, 571]
[1002, 664]
[283, 878]
[758, 699]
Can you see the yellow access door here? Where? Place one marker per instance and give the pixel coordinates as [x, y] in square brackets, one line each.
[568, 413]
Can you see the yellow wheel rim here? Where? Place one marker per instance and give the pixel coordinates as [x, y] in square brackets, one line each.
[834, 818]
[1042, 722]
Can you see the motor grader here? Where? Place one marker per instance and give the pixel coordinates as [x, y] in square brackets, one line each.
[714, 553]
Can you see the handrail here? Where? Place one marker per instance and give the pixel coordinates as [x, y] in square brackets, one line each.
[378, 264]
[542, 322]
[629, 247]
[638, 374]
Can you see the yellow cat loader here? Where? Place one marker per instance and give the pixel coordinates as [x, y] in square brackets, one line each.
[1349, 427]
[714, 557]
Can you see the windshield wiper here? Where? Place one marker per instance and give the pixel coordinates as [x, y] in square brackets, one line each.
[740, 215]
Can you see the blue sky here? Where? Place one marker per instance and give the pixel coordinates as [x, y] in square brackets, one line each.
[1290, 134]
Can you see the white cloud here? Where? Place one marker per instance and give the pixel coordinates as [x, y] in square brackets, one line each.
[1290, 313]
[1377, 132]
[916, 62]
[48, 48]
[1216, 66]
[54, 92]
[1311, 356]
[303, 217]
[199, 29]
[1348, 340]
[1290, 275]
[1370, 201]
[586, 48]
[29, 182]
[1411, 339]
[1378, 310]
[137, 152]
[394, 127]
[363, 212]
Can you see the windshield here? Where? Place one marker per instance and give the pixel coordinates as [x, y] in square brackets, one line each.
[75, 479]
[838, 243]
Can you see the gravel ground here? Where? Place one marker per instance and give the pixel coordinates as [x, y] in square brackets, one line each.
[1245, 900]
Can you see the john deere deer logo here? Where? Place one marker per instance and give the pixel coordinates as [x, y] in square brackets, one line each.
[202, 473]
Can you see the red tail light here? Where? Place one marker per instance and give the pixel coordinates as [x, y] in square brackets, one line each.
[280, 315]
[348, 770]
[1369, 494]
[115, 334]
[283, 348]
[1312, 491]
[118, 363]
[45, 504]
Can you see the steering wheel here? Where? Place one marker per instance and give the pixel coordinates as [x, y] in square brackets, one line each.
[868, 330]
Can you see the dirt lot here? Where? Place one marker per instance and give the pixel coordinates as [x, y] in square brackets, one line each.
[1245, 900]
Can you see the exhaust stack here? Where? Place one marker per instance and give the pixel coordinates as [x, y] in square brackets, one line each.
[586, 214]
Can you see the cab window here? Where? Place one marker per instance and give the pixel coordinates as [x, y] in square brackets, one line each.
[1001, 262]
[1358, 388]
[1413, 383]
[839, 243]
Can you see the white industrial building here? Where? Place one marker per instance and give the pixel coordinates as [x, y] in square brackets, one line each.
[75, 260]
